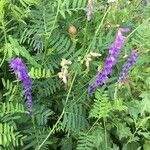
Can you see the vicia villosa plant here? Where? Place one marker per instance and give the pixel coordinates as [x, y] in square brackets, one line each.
[50, 52]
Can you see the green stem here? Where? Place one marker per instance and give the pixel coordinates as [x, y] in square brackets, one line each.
[97, 31]
[116, 90]
[5, 36]
[36, 134]
[93, 125]
[39, 147]
[106, 146]
[137, 28]
[134, 32]
[85, 34]
[45, 49]
[60, 117]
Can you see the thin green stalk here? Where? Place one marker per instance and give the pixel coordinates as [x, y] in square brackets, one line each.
[116, 90]
[134, 32]
[85, 34]
[96, 32]
[36, 134]
[106, 146]
[98, 28]
[5, 36]
[45, 50]
[93, 125]
[60, 117]
[39, 147]
[137, 28]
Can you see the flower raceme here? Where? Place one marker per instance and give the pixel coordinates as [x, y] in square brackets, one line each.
[20, 69]
[127, 66]
[110, 61]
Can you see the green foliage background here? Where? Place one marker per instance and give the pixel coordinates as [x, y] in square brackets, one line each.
[66, 117]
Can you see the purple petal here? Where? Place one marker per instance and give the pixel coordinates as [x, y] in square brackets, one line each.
[127, 66]
[19, 68]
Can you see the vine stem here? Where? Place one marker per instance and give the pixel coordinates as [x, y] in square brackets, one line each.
[99, 27]
[5, 36]
[93, 125]
[36, 134]
[116, 90]
[85, 34]
[105, 133]
[49, 35]
[60, 117]
[137, 28]
[52, 130]
[96, 32]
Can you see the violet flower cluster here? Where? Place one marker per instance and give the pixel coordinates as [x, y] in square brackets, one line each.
[110, 61]
[20, 69]
[127, 66]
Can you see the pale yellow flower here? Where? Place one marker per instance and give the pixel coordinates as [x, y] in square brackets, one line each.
[65, 62]
[64, 74]
[111, 1]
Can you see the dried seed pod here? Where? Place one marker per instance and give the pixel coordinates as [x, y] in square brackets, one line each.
[72, 30]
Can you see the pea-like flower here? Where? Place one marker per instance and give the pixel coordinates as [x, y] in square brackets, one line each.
[20, 69]
[131, 61]
[64, 73]
[88, 58]
[111, 1]
[110, 61]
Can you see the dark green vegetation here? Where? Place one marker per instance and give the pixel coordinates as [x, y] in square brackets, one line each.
[65, 116]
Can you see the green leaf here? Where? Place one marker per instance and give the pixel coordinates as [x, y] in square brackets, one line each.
[142, 122]
[118, 105]
[102, 106]
[146, 145]
[145, 134]
[132, 146]
[123, 131]
[133, 108]
[145, 104]
[86, 142]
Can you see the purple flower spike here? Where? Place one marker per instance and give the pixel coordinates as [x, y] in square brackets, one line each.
[91, 88]
[110, 61]
[127, 66]
[19, 68]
